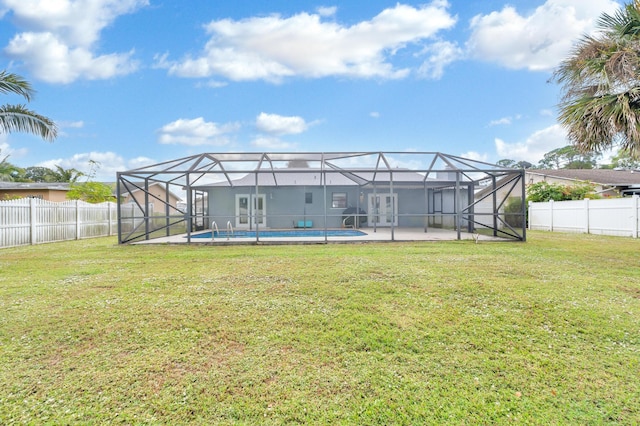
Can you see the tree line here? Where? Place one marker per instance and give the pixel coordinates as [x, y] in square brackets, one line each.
[12, 173]
[570, 157]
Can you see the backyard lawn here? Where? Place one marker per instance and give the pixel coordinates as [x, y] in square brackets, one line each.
[543, 332]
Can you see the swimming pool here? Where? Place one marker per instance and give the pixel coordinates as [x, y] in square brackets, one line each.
[301, 233]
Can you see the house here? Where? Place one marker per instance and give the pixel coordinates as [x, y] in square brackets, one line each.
[284, 190]
[608, 182]
[155, 195]
[53, 191]
[312, 198]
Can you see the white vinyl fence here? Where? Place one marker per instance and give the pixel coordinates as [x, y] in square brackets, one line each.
[615, 216]
[28, 221]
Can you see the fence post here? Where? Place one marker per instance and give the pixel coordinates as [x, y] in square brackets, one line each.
[32, 220]
[529, 216]
[77, 220]
[586, 213]
[635, 205]
[551, 215]
[109, 219]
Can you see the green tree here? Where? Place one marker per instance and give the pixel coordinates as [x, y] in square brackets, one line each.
[67, 175]
[10, 172]
[91, 192]
[600, 107]
[623, 160]
[507, 162]
[569, 157]
[525, 165]
[40, 174]
[17, 118]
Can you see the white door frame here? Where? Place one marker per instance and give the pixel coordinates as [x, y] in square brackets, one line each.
[242, 218]
[379, 214]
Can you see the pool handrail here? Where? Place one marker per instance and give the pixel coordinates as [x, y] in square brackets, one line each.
[229, 229]
[214, 228]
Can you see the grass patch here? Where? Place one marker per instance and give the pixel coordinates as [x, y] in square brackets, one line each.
[412, 333]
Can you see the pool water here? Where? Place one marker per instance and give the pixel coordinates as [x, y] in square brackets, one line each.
[302, 233]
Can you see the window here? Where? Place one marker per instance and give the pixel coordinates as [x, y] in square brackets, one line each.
[308, 197]
[339, 200]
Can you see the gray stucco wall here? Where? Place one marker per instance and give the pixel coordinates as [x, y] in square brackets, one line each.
[284, 205]
[287, 205]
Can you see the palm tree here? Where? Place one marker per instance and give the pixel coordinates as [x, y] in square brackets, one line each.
[8, 172]
[600, 107]
[17, 118]
[67, 175]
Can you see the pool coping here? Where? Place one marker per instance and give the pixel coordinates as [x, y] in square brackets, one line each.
[371, 235]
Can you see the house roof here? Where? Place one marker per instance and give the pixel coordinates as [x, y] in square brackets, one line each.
[313, 177]
[138, 186]
[24, 186]
[606, 177]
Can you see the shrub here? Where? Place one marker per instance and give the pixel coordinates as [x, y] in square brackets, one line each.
[545, 191]
[512, 210]
[91, 192]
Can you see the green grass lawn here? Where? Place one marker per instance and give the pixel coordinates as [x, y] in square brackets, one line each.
[543, 332]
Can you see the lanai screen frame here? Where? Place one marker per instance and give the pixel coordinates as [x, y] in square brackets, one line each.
[190, 174]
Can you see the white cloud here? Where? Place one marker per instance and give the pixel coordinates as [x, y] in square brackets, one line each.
[327, 11]
[138, 162]
[500, 121]
[272, 48]
[70, 124]
[275, 124]
[536, 145]
[6, 150]
[271, 143]
[538, 40]
[504, 121]
[196, 132]
[374, 114]
[213, 84]
[442, 54]
[58, 44]
[64, 125]
[473, 155]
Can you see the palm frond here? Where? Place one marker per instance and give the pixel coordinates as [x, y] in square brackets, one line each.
[597, 123]
[13, 83]
[600, 104]
[17, 118]
[625, 22]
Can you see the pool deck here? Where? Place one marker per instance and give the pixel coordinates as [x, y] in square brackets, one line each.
[379, 235]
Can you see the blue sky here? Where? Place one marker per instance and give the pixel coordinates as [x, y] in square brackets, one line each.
[135, 82]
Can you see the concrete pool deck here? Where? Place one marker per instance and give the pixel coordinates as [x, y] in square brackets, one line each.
[379, 235]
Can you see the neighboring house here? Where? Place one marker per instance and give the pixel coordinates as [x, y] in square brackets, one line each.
[54, 191]
[156, 195]
[608, 183]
